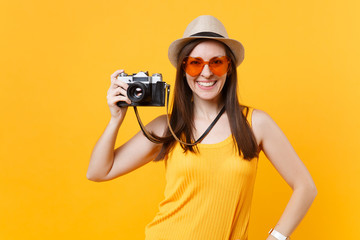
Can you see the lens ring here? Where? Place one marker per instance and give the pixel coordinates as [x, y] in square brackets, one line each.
[136, 92]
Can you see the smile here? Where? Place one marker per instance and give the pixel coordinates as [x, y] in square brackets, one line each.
[207, 84]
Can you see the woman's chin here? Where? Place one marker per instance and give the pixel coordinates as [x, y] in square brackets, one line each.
[207, 96]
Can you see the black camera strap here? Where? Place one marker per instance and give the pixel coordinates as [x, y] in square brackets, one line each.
[154, 140]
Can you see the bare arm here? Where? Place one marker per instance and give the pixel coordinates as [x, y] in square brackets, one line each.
[107, 163]
[284, 158]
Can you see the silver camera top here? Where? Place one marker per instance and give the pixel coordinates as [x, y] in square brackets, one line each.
[140, 77]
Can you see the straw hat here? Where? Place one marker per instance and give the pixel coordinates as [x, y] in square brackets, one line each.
[207, 27]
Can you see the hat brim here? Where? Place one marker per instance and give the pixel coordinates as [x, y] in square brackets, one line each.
[235, 46]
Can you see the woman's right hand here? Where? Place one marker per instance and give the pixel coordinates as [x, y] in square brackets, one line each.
[117, 93]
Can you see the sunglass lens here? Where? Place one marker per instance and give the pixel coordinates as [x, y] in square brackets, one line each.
[193, 66]
[219, 65]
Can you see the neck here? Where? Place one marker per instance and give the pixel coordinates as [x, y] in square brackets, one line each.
[207, 109]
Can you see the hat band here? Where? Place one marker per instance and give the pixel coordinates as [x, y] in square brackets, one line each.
[206, 34]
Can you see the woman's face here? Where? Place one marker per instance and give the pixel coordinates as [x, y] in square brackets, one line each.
[207, 85]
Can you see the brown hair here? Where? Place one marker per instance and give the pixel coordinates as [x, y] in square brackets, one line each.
[181, 119]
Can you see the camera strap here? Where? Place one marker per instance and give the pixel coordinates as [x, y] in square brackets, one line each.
[154, 140]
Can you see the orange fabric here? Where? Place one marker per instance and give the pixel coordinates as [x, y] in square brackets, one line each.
[207, 195]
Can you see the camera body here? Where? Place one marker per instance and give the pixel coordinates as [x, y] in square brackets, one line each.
[144, 90]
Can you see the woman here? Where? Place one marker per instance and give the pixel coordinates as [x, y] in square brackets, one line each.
[209, 184]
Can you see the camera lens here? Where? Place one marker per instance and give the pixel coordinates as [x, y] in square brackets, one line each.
[136, 92]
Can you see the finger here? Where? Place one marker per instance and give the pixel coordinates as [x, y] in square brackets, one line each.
[118, 91]
[116, 73]
[113, 100]
[122, 98]
[115, 93]
[118, 83]
[122, 92]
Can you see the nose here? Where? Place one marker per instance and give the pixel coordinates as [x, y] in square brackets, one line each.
[206, 72]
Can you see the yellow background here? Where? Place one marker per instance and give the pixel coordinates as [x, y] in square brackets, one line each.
[301, 67]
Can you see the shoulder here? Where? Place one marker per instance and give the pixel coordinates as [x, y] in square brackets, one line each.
[158, 125]
[260, 117]
[262, 123]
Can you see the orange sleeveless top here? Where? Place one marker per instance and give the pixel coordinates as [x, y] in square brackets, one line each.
[207, 195]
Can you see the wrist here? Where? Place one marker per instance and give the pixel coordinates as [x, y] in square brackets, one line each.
[277, 235]
[115, 121]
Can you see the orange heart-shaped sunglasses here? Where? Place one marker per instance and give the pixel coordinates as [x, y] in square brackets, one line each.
[194, 65]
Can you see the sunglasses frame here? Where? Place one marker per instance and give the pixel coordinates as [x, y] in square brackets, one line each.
[184, 64]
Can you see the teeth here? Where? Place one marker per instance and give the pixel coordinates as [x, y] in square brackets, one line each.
[206, 84]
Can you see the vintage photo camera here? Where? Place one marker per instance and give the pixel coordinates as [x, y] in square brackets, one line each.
[144, 90]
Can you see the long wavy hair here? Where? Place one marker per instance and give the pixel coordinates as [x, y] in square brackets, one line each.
[182, 111]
